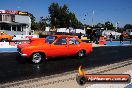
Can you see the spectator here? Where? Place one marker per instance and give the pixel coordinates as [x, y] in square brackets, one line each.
[91, 37]
[95, 37]
[111, 37]
[121, 38]
[80, 34]
[130, 39]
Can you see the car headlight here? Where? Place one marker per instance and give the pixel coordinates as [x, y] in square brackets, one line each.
[23, 54]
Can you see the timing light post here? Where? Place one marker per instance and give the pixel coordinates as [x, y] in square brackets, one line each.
[117, 25]
[93, 18]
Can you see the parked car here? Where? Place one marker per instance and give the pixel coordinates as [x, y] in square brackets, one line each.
[54, 46]
[5, 37]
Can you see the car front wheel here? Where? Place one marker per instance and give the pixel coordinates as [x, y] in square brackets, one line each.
[36, 58]
[4, 40]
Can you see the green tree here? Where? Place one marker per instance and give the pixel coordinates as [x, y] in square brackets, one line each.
[42, 23]
[64, 11]
[33, 22]
[128, 26]
[61, 17]
[109, 25]
[100, 25]
[54, 10]
[120, 30]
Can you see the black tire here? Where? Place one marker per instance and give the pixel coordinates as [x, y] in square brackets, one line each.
[80, 53]
[81, 80]
[4, 40]
[37, 58]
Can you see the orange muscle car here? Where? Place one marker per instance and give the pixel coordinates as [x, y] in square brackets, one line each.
[5, 37]
[53, 46]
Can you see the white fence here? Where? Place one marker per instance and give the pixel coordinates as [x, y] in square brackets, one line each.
[4, 45]
[24, 37]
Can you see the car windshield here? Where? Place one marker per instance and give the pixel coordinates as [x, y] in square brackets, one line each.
[50, 39]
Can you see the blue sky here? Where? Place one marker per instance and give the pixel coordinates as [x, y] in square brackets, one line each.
[104, 10]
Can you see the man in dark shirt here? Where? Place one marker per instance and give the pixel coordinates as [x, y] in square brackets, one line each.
[111, 37]
[80, 34]
[130, 39]
[121, 38]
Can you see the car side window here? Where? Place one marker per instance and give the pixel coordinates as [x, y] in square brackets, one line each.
[50, 39]
[73, 41]
[61, 41]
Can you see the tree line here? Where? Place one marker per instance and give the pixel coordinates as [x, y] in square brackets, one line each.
[61, 17]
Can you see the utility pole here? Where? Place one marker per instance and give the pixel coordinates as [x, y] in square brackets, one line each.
[117, 25]
[93, 18]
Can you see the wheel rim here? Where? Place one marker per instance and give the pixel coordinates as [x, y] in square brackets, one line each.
[36, 58]
[3, 41]
[82, 81]
[80, 53]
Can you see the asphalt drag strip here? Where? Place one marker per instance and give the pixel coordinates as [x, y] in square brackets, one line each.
[56, 80]
[12, 71]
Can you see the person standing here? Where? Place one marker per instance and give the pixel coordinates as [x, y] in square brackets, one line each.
[111, 37]
[91, 37]
[95, 39]
[121, 38]
[130, 39]
[80, 34]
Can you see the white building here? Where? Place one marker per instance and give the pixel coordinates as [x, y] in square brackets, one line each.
[68, 30]
[108, 32]
[15, 22]
[129, 31]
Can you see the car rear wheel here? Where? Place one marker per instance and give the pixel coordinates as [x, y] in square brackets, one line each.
[80, 53]
[36, 58]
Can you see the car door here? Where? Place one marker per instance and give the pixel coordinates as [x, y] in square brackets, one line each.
[60, 47]
[74, 45]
